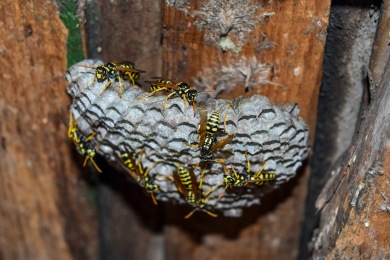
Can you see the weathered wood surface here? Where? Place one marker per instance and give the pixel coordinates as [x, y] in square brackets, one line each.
[43, 208]
[342, 98]
[41, 191]
[381, 51]
[355, 203]
[129, 223]
[291, 41]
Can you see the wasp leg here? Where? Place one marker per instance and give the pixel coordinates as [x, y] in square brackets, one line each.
[184, 100]
[201, 178]
[90, 137]
[152, 93]
[208, 212]
[224, 118]
[260, 171]
[93, 162]
[131, 78]
[223, 192]
[106, 86]
[120, 86]
[166, 100]
[93, 81]
[193, 144]
[248, 168]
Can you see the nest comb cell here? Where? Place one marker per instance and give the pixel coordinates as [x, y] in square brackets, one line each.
[272, 136]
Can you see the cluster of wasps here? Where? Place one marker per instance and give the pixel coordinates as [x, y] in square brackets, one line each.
[208, 142]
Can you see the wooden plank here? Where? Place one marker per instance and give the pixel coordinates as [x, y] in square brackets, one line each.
[129, 221]
[290, 42]
[355, 202]
[131, 31]
[44, 213]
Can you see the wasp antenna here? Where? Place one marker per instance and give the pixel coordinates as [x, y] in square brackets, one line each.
[93, 81]
[206, 91]
[211, 214]
[96, 167]
[224, 118]
[120, 87]
[248, 168]
[153, 198]
[164, 176]
[194, 107]
[85, 161]
[150, 167]
[190, 214]
[89, 137]
[223, 193]
[90, 67]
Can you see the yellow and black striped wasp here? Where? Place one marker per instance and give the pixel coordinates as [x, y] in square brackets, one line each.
[141, 173]
[115, 71]
[208, 129]
[173, 89]
[243, 179]
[187, 185]
[83, 144]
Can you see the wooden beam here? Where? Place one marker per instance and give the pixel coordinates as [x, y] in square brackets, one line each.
[273, 49]
[43, 208]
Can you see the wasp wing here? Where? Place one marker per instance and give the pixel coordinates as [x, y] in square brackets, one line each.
[121, 69]
[202, 126]
[194, 184]
[224, 141]
[180, 185]
[132, 174]
[118, 63]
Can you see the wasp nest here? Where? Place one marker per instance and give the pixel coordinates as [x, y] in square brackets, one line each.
[273, 136]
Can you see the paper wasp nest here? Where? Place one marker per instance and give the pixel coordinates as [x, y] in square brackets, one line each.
[270, 133]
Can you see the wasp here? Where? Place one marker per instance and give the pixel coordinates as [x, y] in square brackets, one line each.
[172, 89]
[243, 179]
[115, 71]
[208, 129]
[141, 173]
[83, 144]
[187, 185]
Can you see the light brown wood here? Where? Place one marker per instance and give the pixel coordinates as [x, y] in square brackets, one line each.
[290, 41]
[296, 33]
[43, 208]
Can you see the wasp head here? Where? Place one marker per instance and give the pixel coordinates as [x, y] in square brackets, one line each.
[228, 179]
[191, 95]
[152, 187]
[183, 85]
[101, 73]
[205, 154]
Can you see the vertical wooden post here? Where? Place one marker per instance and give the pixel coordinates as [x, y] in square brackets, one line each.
[129, 221]
[204, 42]
[44, 213]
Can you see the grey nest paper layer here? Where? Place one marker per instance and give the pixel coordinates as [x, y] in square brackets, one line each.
[271, 134]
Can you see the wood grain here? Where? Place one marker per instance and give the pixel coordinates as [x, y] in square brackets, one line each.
[129, 223]
[354, 203]
[297, 31]
[44, 212]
